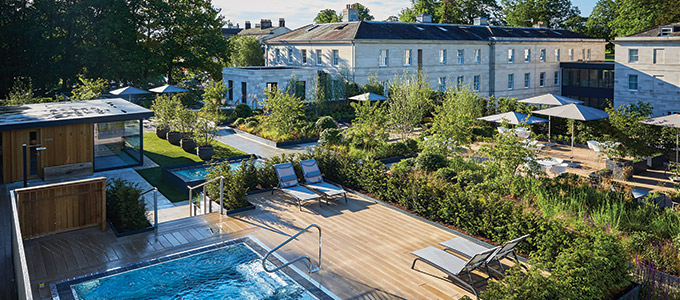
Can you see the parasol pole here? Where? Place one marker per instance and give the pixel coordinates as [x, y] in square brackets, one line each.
[549, 129]
[572, 142]
[676, 146]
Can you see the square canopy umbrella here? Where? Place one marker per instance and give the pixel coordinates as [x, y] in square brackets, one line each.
[513, 118]
[167, 89]
[667, 121]
[128, 91]
[550, 100]
[368, 97]
[575, 112]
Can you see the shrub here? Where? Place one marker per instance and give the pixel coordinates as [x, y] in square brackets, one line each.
[447, 174]
[257, 112]
[239, 122]
[251, 124]
[330, 137]
[430, 162]
[125, 207]
[242, 111]
[234, 185]
[412, 145]
[325, 122]
[403, 167]
[251, 119]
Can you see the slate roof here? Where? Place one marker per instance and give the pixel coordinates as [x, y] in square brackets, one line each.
[258, 31]
[656, 31]
[229, 32]
[370, 30]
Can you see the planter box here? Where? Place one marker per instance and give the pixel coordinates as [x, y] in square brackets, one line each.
[232, 212]
[633, 293]
[122, 234]
[273, 143]
[656, 162]
[639, 167]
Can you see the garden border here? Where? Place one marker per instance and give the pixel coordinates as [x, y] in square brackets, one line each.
[271, 143]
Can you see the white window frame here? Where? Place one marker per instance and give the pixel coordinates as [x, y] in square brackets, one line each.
[556, 81]
[587, 54]
[633, 58]
[442, 84]
[557, 55]
[290, 56]
[460, 56]
[319, 57]
[336, 57]
[527, 80]
[583, 54]
[511, 81]
[384, 58]
[637, 82]
[541, 79]
[303, 53]
[511, 56]
[571, 54]
[408, 57]
[478, 56]
[527, 55]
[476, 82]
[460, 81]
[277, 53]
[442, 56]
[659, 53]
[542, 54]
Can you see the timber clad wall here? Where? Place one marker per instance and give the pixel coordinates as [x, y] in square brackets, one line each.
[62, 206]
[69, 144]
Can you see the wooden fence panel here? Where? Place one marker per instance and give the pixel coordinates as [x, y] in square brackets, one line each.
[62, 206]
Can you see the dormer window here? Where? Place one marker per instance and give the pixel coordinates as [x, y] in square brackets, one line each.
[665, 31]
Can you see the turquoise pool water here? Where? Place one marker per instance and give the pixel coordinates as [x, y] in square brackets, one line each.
[201, 172]
[232, 272]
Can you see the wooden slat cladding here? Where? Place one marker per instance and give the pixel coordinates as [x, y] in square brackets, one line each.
[69, 144]
[62, 206]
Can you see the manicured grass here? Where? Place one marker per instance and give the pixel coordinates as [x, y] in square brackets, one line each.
[155, 177]
[166, 154]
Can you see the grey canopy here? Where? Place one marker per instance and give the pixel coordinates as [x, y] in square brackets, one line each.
[551, 99]
[167, 89]
[128, 91]
[575, 112]
[513, 118]
[667, 121]
[368, 97]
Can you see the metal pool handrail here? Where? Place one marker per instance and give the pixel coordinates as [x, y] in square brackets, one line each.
[305, 257]
[155, 205]
[191, 190]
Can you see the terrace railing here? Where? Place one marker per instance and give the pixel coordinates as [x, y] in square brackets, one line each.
[205, 205]
[305, 257]
[155, 205]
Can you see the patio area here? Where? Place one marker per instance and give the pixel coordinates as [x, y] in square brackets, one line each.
[366, 246]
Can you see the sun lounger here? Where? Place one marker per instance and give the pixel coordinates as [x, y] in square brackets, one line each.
[289, 184]
[314, 180]
[453, 265]
[468, 248]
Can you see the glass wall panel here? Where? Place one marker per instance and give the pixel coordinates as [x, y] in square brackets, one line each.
[117, 144]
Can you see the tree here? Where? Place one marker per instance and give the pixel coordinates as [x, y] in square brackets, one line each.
[465, 11]
[327, 16]
[284, 111]
[455, 119]
[637, 139]
[392, 19]
[214, 97]
[22, 93]
[637, 15]
[509, 153]
[369, 126]
[408, 102]
[418, 7]
[599, 23]
[245, 51]
[364, 12]
[525, 13]
[89, 89]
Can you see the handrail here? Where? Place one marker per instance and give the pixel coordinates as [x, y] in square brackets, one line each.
[202, 184]
[205, 202]
[155, 205]
[305, 257]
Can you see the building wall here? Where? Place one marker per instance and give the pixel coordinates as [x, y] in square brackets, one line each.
[658, 83]
[256, 80]
[345, 54]
[69, 144]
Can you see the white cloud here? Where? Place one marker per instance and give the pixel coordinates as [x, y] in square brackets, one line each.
[298, 12]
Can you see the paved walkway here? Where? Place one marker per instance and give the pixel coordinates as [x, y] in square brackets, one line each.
[243, 143]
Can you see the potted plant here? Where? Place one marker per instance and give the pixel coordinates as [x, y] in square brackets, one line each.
[204, 132]
[174, 134]
[186, 120]
[163, 112]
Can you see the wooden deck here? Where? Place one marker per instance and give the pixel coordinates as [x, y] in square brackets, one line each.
[366, 246]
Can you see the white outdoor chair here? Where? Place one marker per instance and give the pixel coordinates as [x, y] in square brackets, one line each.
[596, 147]
[559, 168]
[502, 129]
[522, 132]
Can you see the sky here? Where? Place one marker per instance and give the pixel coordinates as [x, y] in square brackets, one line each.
[302, 12]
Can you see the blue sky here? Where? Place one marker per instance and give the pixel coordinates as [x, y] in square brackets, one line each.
[302, 12]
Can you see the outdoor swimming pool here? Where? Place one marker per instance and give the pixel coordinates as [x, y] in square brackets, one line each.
[232, 270]
[201, 171]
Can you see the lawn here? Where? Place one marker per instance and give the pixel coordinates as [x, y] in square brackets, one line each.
[166, 154]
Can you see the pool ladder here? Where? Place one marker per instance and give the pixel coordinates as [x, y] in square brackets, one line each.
[305, 257]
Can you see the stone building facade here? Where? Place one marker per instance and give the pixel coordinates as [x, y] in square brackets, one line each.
[647, 69]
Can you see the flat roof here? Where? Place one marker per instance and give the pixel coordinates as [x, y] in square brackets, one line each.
[599, 65]
[69, 112]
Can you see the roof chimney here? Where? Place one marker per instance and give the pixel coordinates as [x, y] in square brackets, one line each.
[265, 23]
[481, 21]
[540, 24]
[424, 18]
[282, 22]
[350, 14]
[247, 25]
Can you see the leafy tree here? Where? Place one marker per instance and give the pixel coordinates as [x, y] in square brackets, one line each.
[89, 89]
[637, 15]
[408, 102]
[327, 16]
[637, 139]
[525, 13]
[509, 153]
[368, 128]
[409, 14]
[599, 23]
[364, 12]
[284, 111]
[214, 97]
[392, 19]
[245, 51]
[455, 119]
[373, 86]
[465, 11]
[22, 93]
